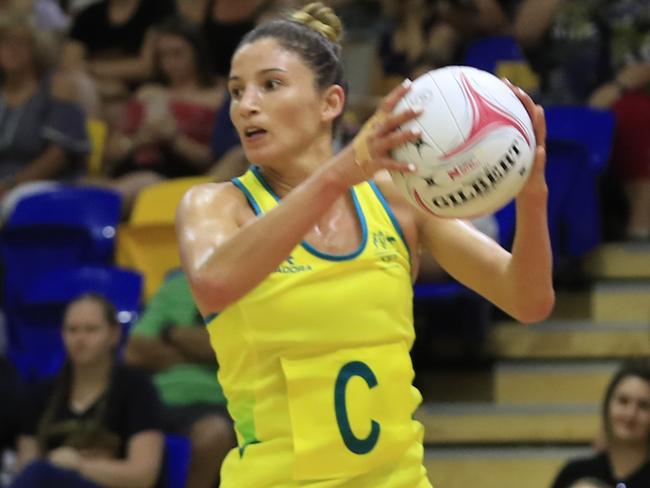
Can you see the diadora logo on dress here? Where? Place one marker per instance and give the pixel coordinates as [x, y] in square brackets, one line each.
[384, 245]
[290, 266]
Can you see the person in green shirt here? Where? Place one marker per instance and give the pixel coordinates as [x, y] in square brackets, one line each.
[170, 340]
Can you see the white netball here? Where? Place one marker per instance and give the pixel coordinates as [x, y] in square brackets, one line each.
[477, 145]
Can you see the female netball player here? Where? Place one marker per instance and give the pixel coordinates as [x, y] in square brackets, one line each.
[303, 269]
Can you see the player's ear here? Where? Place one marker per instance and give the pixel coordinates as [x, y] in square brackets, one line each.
[333, 102]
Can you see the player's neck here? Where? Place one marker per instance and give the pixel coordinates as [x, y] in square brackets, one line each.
[288, 174]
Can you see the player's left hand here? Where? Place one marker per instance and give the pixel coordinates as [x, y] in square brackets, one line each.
[536, 186]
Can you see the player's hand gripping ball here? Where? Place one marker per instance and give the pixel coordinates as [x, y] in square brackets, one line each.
[476, 148]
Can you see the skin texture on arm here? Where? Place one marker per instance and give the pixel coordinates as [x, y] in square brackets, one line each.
[194, 343]
[152, 354]
[519, 283]
[219, 235]
[139, 469]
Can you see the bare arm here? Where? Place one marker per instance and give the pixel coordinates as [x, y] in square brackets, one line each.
[519, 283]
[153, 354]
[47, 165]
[138, 470]
[219, 238]
[533, 19]
[220, 247]
[136, 68]
[194, 343]
[194, 152]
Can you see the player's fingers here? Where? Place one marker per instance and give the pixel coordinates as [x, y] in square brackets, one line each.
[392, 99]
[394, 121]
[525, 99]
[539, 125]
[395, 165]
[395, 139]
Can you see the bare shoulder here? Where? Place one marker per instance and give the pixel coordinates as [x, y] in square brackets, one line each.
[216, 200]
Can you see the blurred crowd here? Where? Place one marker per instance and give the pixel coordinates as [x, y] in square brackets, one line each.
[124, 93]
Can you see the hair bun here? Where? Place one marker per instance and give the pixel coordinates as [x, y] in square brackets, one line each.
[320, 18]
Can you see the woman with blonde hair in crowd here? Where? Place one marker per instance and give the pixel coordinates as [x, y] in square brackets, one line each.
[42, 125]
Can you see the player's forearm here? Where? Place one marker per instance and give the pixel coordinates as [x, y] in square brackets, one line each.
[239, 264]
[531, 266]
[153, 354]
[193, 342]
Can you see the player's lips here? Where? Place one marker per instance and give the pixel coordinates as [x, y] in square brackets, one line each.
[253, 133]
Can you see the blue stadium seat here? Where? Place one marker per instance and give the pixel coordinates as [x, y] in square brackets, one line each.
[34, 323]
[59, 226]
[485, 53]
[579, 143]
[502, 56]
[176, 462]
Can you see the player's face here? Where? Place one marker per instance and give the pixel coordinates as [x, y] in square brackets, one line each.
[275, 107]
[629, 411]
[176, 57]
[87, 336]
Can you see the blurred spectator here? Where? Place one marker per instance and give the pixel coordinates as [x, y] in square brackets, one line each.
[194, 11]
[46, 14]
[112, 40]
[626, 421]
[566, 46]
[598, 52]
[435, 31]
[627, 92]
[225, 24]
[97, 423]
[170, 339]
[73, 7]
[42, 128]
[166, 128]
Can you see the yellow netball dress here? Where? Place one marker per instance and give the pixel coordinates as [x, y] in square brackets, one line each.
[315, 362]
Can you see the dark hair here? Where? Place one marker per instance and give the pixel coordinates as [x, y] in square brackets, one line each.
[630, 369]
[109, 312]
[179, 27]
[84, 433]
[313, 33]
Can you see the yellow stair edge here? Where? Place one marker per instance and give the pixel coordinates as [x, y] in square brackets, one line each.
[489, 424]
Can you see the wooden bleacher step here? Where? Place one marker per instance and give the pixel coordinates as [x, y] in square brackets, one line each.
[489, 424]
[552, 382]
[497, 467]
[620, 261]
[623, 301]
[569, 339]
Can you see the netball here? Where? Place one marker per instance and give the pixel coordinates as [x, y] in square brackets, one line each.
[476, 148]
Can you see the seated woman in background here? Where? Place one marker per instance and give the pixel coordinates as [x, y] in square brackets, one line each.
[42, 127]
[626, 420]
[98, 423]
[166, 127]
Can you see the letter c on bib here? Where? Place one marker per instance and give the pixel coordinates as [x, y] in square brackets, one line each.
[353, 443]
